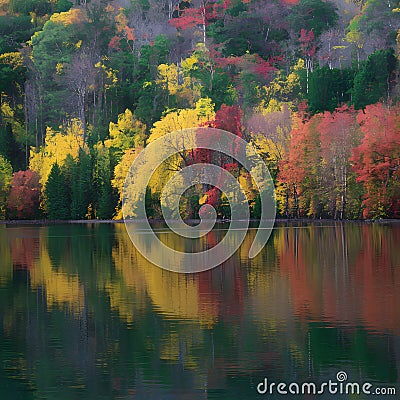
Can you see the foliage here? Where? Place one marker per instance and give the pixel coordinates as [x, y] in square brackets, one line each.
[377, 160]
[5, 181]
[57, 199]
[85, 85]
[375, 80]
[24, 197]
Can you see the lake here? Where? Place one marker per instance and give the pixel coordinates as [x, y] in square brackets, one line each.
[84, 316]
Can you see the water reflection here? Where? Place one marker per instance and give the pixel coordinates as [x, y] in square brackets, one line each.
[83, 314]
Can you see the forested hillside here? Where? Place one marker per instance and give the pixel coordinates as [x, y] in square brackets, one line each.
[313, 84]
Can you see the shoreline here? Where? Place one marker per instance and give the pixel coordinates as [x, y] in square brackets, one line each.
[218, 221]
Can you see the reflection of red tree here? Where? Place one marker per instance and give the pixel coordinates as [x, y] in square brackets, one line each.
[221, 289]
[24, 252]
[306, 297]
[377, 281]
[366, 291]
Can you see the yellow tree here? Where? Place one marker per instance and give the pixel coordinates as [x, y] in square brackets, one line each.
[58, 146]
[120, 173]
[126, 133]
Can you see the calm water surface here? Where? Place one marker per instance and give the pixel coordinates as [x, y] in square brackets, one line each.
[84, 316]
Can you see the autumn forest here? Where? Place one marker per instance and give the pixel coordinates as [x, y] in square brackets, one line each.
[85, 85]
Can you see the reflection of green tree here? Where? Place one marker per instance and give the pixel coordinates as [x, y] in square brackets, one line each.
[340, 346]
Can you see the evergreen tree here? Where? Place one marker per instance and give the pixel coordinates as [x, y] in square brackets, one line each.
[376, 78]
[57, 194]
[81, 186]
[106, 205]
[102, 183]
[329, 89]
[9, 147]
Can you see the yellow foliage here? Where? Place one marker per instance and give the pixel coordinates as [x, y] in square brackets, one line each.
[14, 59]
[60, 288]
[205, 108]
[177, 80]
[178, 120]
[59, 68]
[7, 114]
[121, 21]
[71, 17]
[120, 173]
[58, 146]
[6, 270]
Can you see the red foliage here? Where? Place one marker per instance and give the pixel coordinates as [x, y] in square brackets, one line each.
[189, 18]
[229, 118]
[337, 133]
[307, 43]
[114, 43]
[129, 33]
[213, 196]
[23, 201]
[263, 68]
[377, 159]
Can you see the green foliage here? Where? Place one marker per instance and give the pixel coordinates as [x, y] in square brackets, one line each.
[329, 89]
[39, 7]
[10, 148]
[57, 194]
[5, 182]
[81, 181]
[63, 5]
[14, 30]
[105, 203]
[376, 78]
[313, 15]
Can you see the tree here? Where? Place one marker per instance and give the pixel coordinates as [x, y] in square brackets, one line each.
[329, 89]
[300, 171]
[81, 182]
[308, 49]
[5, 181]
[313, 15]
[24, 198]
[120, 173]
[58, 145]
[377, 160]
[104, 206]
[127, 133]
[57, 197]
[339, 135]
[10, 149]
[375, 81]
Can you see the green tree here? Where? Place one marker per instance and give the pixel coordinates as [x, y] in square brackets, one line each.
[81, 186]
[329, 88]
[313, 15]
[5, 182]
[57, 194]
[375, 81]
[9, 147]
[105, 204]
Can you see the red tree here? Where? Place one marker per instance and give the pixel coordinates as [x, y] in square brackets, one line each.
[339, 134]
[23, 202]
[377, 160]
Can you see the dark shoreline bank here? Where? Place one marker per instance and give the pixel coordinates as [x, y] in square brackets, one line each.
[219, 221]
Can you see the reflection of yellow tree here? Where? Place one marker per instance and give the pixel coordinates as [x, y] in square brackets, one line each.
[175, 295]
[61, 288]
[6, 269]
